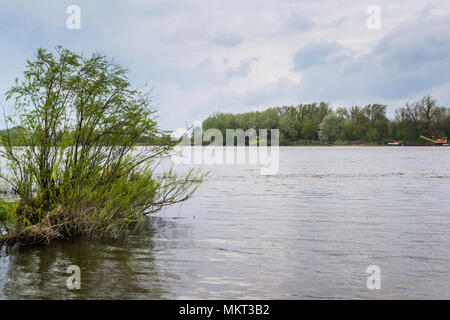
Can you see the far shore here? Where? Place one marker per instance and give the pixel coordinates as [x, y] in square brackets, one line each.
[318, 144]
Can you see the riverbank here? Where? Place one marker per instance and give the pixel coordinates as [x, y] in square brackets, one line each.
[337, 143]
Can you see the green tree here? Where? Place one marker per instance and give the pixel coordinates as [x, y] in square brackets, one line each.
[349, 130]
[330, 128]
[79, 171]
[309, 131]
[368, 123]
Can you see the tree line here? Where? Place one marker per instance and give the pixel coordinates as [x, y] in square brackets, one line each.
[319, 123]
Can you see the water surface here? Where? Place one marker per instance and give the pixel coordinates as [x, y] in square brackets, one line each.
[308, 232]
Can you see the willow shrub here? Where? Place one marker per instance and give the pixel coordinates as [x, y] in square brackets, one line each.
[70, 148]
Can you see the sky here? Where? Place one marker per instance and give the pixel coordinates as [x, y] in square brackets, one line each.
[206, 56]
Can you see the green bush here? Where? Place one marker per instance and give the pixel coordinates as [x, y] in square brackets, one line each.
[77, 171]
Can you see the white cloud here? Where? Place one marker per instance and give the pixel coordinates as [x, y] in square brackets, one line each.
[409, 61]
[205, 56]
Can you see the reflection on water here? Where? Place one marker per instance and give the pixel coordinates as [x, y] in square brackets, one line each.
[310, 231]
[120, 269]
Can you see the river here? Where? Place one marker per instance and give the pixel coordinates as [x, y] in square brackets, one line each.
[309, 231]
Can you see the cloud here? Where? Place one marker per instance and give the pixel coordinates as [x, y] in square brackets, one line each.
[243, 69]
[408, 61]
[297, 22]
[226, 39]
[317, 53]
[206, 63]
[205, 56]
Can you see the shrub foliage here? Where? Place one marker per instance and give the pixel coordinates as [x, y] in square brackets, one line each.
[73, 165]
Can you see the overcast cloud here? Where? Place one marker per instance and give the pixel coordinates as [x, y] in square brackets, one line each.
[205, 56]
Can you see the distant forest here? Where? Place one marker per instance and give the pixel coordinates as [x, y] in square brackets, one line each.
[165, 139]
[317, 123]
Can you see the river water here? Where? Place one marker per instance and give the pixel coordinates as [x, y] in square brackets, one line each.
[309, 231]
